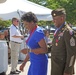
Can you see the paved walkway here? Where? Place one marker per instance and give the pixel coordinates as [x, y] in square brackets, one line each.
[27, 66]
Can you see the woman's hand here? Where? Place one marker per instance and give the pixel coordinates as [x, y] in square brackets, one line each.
[22, 67]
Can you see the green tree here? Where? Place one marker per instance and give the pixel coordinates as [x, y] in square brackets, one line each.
[69, 6]
[44, 23]
[4, 24]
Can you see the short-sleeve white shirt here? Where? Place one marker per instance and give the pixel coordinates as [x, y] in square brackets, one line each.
[15, 31]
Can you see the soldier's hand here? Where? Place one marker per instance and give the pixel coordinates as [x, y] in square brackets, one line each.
[66, 74]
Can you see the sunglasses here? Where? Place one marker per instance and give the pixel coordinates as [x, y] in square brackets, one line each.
[17, 21]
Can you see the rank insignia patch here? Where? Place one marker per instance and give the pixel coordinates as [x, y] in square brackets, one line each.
[72, 41]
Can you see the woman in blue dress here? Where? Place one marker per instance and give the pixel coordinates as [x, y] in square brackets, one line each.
[37, 46]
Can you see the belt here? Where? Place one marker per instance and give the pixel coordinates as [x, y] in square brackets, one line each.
[16, 42]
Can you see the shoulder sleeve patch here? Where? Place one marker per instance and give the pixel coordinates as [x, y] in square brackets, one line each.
[70, 30]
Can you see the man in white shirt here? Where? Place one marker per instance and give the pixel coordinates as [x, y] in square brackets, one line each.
[15, 41]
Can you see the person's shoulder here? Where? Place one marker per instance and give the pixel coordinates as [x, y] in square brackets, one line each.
[71, 31]
[39, 30]
[12, 27]
[67, 29]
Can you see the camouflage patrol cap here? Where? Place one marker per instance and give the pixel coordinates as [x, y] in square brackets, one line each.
[58, 12]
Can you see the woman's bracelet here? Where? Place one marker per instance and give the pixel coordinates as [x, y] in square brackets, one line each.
[28, 50]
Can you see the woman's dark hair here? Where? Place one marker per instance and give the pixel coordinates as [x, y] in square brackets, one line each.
[29, 17]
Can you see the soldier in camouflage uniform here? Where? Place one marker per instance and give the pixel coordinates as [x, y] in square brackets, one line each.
[63, 45]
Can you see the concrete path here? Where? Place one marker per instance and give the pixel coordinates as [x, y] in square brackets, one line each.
[27, 66]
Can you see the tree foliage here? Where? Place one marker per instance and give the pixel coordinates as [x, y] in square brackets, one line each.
[69, 5]
[4, 24]
[40, 23]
